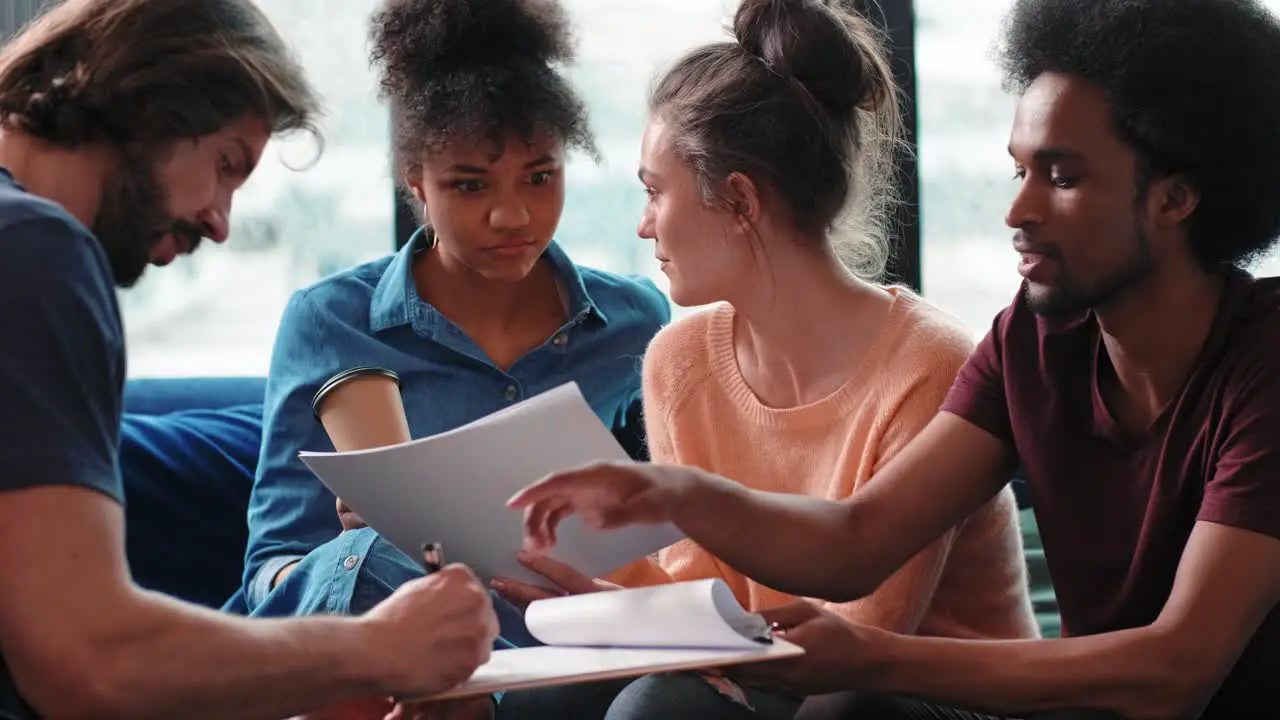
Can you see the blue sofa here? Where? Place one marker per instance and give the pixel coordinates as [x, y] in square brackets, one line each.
[189, 447]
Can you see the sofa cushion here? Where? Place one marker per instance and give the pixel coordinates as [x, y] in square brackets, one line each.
[158, 396]
[187, 477]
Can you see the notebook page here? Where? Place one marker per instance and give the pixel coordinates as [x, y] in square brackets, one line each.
[694, 614]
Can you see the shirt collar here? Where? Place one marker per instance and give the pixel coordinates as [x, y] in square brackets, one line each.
[391, 300]
[395, 296]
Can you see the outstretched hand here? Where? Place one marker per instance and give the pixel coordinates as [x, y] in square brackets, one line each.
[606, 495]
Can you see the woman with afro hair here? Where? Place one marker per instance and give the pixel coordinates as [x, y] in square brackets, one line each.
[479, 310]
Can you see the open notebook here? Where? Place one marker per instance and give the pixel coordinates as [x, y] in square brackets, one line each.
[628, 633]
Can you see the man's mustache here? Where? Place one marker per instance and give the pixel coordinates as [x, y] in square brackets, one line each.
[191, 232]
[1024, 243]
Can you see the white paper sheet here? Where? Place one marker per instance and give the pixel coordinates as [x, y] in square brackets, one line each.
[452, 488]
[694, 614]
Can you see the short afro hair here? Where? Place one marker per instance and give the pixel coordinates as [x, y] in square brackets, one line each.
[475, 70]
[1194, 86]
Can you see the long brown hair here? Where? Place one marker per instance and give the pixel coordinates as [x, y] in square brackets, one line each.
[149, 72]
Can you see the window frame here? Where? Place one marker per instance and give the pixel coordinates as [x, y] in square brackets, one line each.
[897, 18]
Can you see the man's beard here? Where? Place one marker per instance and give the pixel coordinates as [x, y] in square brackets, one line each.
[134, 216]
[1066, 300]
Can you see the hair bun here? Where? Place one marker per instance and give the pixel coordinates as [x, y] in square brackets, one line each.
[819, 46]
[417, 40]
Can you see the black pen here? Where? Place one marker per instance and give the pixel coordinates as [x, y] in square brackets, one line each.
[767, 637]
[432, 557]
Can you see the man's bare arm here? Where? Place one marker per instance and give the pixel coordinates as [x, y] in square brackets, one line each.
[1226, 584]
[82, 641]
[843, 551]
[805, 546]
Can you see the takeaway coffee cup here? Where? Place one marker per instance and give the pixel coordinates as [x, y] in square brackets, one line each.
[361, 408]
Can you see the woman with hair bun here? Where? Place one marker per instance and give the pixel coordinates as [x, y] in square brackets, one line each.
[768, 165]
[479, 310]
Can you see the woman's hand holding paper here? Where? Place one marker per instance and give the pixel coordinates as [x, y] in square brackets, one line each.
[563, 580]
[349, 519]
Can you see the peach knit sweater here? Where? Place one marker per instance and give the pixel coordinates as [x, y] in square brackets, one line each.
[700, 411]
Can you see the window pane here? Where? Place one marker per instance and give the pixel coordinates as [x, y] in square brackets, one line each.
[623, 46]
[968, 266]
[300, 216]
[966, 178]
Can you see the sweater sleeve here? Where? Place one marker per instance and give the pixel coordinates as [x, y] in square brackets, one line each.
[900, 603]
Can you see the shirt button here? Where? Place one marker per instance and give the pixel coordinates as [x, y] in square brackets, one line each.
[350, 562]
[560, 340]
[511, 393]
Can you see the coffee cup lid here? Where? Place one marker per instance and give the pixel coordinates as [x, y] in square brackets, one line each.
[344, 376]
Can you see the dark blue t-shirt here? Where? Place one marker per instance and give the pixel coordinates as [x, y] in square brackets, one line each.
[62, 364]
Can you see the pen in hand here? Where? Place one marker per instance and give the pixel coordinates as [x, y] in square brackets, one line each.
[432, 557]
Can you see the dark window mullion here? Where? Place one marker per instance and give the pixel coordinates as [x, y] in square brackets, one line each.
[898, 16]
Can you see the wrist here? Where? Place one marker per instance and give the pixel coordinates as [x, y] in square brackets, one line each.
[365, 660]
[697, 491]
[878, 656]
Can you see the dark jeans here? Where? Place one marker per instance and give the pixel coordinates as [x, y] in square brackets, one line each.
[870, 706]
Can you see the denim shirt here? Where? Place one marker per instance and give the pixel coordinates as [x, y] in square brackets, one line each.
[372, 315]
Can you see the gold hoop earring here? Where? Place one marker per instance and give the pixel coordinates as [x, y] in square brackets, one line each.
[432, 240]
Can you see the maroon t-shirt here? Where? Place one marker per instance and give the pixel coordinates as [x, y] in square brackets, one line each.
[1115, 509]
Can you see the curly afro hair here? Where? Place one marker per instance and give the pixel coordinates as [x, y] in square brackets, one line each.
[1194, 87]
[475, 70]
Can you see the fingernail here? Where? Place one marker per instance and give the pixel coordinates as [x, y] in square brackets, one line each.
[497, 585]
